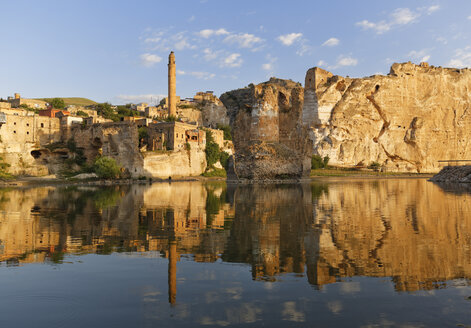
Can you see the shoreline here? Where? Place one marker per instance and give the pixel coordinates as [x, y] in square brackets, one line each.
[44, 181]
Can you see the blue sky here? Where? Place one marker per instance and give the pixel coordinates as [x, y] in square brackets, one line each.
[117, 51]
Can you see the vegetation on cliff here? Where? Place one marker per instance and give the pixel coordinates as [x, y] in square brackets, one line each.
[106, 168]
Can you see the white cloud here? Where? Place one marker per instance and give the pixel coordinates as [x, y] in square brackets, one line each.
[400, 16]
[269, 65]
[331, 42]
[419, 55]
[343, 61]
[146, 98]
[347, 61]
[192, 18]
[243, 40]
[198, 75]
[210, 55]
[321, 63]
[150, 60]
[209, 33]
[469, 17]
[462, 58]
[289, 39]
[432, 9]
[161, 41]
[232, 60]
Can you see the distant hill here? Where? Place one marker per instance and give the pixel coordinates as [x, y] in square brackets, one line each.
[77, 101]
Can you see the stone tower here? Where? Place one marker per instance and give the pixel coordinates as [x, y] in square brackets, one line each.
[172, 86]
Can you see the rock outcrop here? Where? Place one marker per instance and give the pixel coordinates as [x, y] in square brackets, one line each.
[461, 174]
[405, 121]
[269, 135]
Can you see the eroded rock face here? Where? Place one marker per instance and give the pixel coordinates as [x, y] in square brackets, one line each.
[406, 121]
[269, 135]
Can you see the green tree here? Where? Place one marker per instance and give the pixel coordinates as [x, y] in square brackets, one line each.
[57, 103]
[107, 168]
[224, 158]
[317, 162]
[212, 149]
[107, 111]
[227, 131]
[81, 113]
[143, 134]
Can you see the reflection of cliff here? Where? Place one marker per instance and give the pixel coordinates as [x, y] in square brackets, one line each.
[268, 228]
[409, 230]
[405, 229]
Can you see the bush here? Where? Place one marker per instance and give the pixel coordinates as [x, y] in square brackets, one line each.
[374, 166]
[142, 131]
[107, 168]
[227, 131]
[215, 172]
[317, 162]
[212, 149]
[224, 158]
[57, 103]
[81, 113]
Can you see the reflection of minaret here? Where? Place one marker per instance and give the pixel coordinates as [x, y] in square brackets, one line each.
[172, 272]
[172, 86]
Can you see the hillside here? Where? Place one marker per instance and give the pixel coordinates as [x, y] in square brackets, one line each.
[75, 101]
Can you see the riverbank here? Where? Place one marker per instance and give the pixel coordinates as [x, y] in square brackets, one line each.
[317, 174]
[362, 173]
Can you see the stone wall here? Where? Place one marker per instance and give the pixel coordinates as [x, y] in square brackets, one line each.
[24, 134]
[269, 134]
[405, 121]
[117, 140]
[174, 164]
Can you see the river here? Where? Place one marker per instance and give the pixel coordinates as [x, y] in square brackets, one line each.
[336, 252]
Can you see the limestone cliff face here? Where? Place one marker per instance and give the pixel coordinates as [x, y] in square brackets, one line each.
[269, 135]
[116, 140]
[214, 113]
[406, 121]
[120, 141]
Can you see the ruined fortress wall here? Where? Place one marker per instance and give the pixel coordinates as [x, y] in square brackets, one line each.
[116, 140]
[405, 121]
[268, 132]
[23, 133]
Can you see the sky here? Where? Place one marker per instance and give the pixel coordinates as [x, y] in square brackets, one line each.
[117, 51]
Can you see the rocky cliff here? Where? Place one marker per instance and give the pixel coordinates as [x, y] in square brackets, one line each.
[405, 121]
[269, 135]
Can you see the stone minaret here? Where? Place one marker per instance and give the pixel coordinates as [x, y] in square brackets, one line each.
[172, 86]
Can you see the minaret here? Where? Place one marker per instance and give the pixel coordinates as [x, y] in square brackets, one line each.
[172, 86]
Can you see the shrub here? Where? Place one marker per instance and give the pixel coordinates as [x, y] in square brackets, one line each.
[81, 113]
[143, 133]
[224, 158]
[317, 162]
[227, 131]
[374, 166]
[107, 168]
[212, 149]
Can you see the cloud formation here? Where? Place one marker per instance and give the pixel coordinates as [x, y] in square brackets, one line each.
[150, 60]
[400, 16]
[243, 40]
[462, 58]
[331, 42]
[207, 33]
[135, 99]
[198, 75]
[289, 39]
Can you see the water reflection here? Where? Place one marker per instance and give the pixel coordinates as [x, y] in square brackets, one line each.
[412, 231]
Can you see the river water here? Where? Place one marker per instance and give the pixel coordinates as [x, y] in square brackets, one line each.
[347, 253]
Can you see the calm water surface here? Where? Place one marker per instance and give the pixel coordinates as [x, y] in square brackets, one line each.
[355, 253]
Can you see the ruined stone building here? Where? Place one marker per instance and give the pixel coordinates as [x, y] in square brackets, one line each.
[17, 101]
[174, 136]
